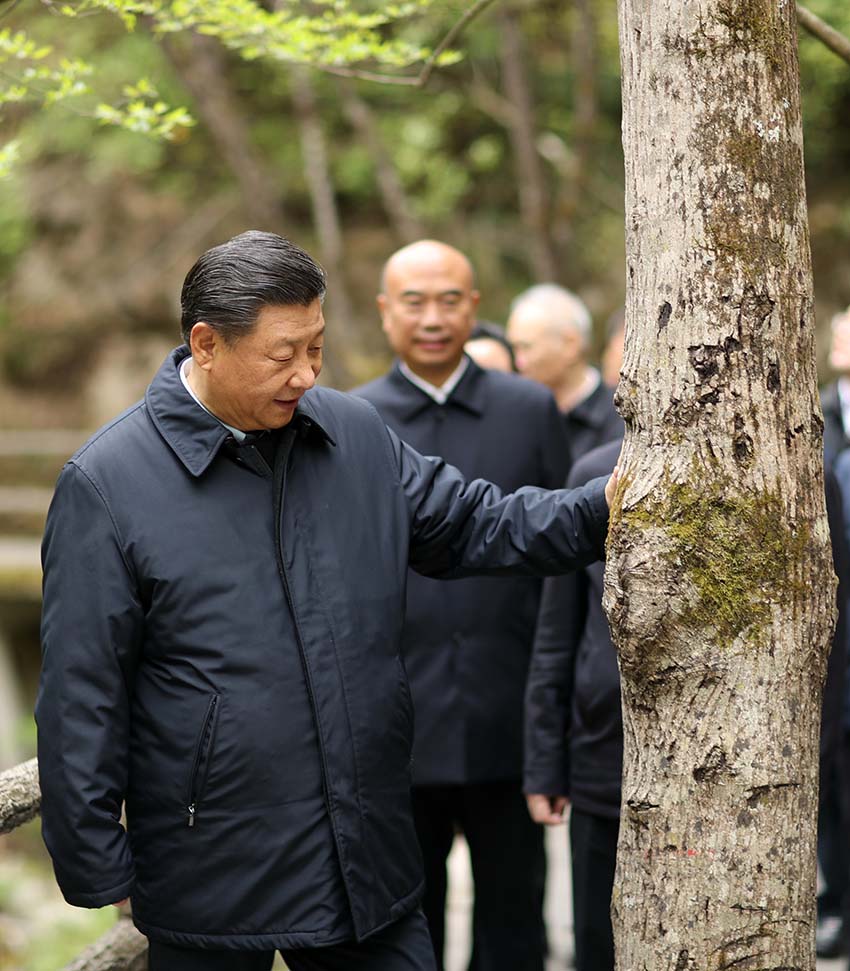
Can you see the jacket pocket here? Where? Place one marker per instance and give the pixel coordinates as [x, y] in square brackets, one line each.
[201, 761]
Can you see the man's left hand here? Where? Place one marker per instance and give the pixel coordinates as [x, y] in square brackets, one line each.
[611, 486]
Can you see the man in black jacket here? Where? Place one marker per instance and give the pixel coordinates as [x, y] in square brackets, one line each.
[831, 936]
[220, 635]
[574, 736]
[466, 645]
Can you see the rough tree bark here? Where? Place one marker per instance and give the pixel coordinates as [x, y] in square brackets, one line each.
[122, 948]
[20, 796]
[719, 582]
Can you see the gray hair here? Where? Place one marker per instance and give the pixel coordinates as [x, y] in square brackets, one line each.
[562, 307]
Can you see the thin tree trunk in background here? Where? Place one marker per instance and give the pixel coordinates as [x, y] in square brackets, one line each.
[584, 50]
[326, 220]
[719, 583]
[533, 196]
[397, 206]
[201, 65]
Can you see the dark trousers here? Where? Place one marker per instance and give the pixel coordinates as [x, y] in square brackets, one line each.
[508, 868]
[832, 843]
[593, 848]
[403, 946]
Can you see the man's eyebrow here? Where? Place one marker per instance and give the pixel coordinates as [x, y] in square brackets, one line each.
[284, 343]
[442, 293]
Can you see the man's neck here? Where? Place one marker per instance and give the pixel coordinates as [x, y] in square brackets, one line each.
[190, 376]
[434, 376]
[578, 384]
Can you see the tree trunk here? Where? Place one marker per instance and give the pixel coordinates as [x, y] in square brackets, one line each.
[397, 206]
[533, 202]
[719, 583]
[325, 217]
[20, 796]
[583, 49]
[122, 948]
[202, 66]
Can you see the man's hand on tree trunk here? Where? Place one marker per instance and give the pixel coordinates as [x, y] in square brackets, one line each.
[611, 486]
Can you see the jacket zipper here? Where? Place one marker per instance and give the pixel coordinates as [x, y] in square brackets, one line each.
[203, 748]
[281, 466]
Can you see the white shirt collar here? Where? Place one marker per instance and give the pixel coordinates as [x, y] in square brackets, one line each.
[184, 377]
[439, 394]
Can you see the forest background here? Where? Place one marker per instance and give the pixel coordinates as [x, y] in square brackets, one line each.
[511, 152]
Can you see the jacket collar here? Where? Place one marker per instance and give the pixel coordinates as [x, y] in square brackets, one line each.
[468, 393]
[591, 411]
[194, 435]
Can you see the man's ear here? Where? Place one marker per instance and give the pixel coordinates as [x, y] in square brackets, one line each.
[475, 297]
[381, 301]
[203, 341]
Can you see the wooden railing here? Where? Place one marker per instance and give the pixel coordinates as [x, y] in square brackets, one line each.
[122, 948]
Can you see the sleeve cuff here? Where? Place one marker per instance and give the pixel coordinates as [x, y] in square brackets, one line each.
[100, 899]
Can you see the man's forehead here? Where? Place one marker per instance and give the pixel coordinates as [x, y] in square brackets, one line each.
[430, 270]
[284, 323]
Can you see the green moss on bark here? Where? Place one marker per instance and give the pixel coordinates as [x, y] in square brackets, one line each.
[738, 551]
[753, 22]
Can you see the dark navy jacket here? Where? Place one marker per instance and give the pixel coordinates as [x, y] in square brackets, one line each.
[221, 654]
[466, 644]
[834, 437]
[593, 422]
[573, 718]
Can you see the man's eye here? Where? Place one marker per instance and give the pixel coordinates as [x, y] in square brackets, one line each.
[316, 350]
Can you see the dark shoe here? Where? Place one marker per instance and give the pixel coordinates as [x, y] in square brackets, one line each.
[829, 938]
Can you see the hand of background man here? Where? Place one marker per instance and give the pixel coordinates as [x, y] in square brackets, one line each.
[547, 810]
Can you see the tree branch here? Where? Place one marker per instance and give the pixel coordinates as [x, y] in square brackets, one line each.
[835, 41]
[477, 8]
[414, 80]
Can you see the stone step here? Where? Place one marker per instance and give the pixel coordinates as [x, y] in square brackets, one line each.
[35, 457]
[23, 510]
[20, 568]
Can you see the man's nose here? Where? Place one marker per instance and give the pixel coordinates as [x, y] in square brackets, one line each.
[304, 377]
[431, 316]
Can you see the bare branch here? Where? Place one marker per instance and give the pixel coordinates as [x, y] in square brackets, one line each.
[474, 11]
[122, 948]
[413, 80]
[20, 796]
[835, 41]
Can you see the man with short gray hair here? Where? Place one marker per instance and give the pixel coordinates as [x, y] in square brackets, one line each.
[225, 569]
[550, 329]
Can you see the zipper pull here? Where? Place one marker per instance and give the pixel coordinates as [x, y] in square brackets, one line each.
[192, 815]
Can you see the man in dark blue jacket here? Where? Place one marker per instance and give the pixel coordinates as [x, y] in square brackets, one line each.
[220, 631]
[466, 645]
[574, 736]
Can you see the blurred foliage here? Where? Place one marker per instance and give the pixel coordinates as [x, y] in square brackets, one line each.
[99, 224]
[38, 930]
